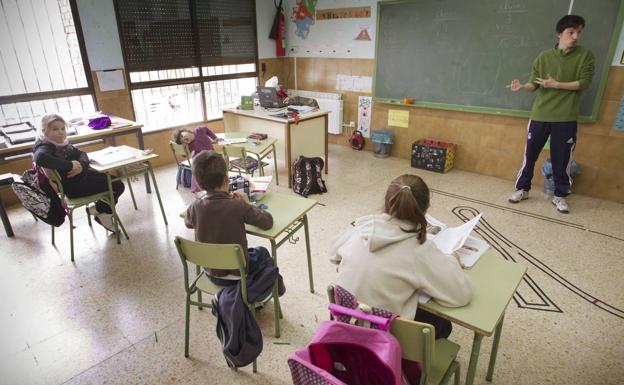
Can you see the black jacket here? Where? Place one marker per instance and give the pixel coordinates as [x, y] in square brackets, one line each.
[48, 155]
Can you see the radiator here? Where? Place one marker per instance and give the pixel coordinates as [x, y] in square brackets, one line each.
[327, 101]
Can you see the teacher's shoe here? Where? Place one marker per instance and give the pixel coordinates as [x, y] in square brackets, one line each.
[518, 196]
[561, 204]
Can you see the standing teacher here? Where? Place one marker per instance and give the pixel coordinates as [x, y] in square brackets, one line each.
[558, 75]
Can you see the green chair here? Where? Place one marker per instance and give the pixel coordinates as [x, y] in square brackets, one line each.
[74, 203]
[215, 256]
[182, 156]
[238, 160]
[437, 358]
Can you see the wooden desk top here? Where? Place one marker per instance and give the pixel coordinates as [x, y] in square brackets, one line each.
[84, 134]
[286, 210]
[266, 115]
[496, 280]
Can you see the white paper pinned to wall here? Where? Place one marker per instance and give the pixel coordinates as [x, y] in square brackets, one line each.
[110, 80]
[354, 83]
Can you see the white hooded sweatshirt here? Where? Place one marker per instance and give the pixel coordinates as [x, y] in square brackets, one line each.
[386, 267]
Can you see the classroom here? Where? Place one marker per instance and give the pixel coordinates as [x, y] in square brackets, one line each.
[83, 305]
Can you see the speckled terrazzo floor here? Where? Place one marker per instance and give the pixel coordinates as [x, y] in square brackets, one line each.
[116, 315]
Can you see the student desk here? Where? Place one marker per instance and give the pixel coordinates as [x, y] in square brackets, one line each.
[119, 126]
[289, 215]
[140, 164]
[495, 280]
[260, 148]
[307, 138]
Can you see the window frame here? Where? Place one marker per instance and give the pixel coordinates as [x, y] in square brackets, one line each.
[201, 79]
[89, 89]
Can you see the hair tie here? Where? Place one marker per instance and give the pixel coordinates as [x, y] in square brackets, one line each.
[406, 187]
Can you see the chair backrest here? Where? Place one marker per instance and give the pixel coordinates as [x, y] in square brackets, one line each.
[417, 339]
[212, 256]
[180, 151]
[55, 181]
[232, 151]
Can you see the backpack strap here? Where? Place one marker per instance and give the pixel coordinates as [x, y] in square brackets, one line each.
[381, 322]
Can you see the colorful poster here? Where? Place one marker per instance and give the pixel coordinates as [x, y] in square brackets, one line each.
[343, 13]
[303, 17]
[398, 118]
[365, 109]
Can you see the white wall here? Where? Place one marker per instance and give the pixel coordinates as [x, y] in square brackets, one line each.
[619, 51]
[99, 28]
[333, 38]
[265, 13]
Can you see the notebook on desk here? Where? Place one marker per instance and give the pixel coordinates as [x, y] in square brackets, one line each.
[110, 155]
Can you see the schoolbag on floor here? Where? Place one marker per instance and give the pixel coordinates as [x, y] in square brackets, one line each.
[307, 176]
[342, 353]
[38, 197]
[184, 176]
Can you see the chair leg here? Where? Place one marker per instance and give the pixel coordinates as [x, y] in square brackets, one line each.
[186, 326]
[52, 227]
[71, 233]
[89, 217]
[457, 375]
[277, 310]
[130, 188]
[252, 308]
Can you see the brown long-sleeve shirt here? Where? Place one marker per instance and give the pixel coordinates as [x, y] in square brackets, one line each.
[218, 218]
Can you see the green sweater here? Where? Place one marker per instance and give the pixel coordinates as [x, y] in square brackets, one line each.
[556, 105]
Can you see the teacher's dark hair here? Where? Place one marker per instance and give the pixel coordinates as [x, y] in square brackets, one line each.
[570, 21]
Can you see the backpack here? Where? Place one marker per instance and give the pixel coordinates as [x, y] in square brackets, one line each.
[184, 176]
[343, 353]
[307, 176]
[357, 140]
[38, 197]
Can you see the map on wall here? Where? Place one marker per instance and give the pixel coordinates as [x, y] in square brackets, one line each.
[303, 17]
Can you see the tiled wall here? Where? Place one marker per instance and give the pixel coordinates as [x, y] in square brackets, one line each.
[487, 144]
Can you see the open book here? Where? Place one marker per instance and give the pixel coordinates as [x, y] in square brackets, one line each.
[457, 239]
[110, 155]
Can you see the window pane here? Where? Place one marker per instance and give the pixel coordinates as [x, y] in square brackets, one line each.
[68, 107]
[39, 48]
[228, 69]
[222, 94]
[167, 74]
[162, 107]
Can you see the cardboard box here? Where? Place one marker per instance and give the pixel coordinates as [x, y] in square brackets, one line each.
[433, 155]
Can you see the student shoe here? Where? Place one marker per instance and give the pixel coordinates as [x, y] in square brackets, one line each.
[561, 204]
[106, 220]
[518, 196]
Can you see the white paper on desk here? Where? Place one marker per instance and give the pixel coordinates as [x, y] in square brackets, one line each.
[470, 252]
[452, 238]
[261, 183]
[110, 155]
[110, 80]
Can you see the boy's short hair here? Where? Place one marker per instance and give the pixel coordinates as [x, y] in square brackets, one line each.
[570, 21]
[177, 135]
[209, 170]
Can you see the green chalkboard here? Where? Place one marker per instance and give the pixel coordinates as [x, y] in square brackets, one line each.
[460, 54]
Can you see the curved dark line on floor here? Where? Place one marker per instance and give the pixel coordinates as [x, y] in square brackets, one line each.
[526, 213]
[483, 223]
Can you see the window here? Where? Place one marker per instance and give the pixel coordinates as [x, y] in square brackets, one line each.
[44, 68]
[187, 60]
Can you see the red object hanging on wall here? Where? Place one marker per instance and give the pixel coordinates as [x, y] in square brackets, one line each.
[280, 42]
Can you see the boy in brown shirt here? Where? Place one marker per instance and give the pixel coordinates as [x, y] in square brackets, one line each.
[220, 216]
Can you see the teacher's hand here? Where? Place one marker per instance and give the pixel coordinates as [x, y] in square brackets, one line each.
[515, 85]
[549, 82]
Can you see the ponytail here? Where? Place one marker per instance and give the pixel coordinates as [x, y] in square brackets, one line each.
[407, 198]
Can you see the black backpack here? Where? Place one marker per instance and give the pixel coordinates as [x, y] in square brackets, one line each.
[307, 176]
[38, 197]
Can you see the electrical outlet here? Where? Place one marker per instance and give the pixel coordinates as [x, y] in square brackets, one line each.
[294, 49]
[352, 124]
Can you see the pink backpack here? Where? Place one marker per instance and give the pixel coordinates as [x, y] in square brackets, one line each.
[342, 353]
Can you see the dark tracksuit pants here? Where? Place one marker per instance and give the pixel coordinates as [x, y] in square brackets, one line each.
[92, 182]
[562, 143]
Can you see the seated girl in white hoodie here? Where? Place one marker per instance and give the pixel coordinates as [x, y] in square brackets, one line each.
[386, 261]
